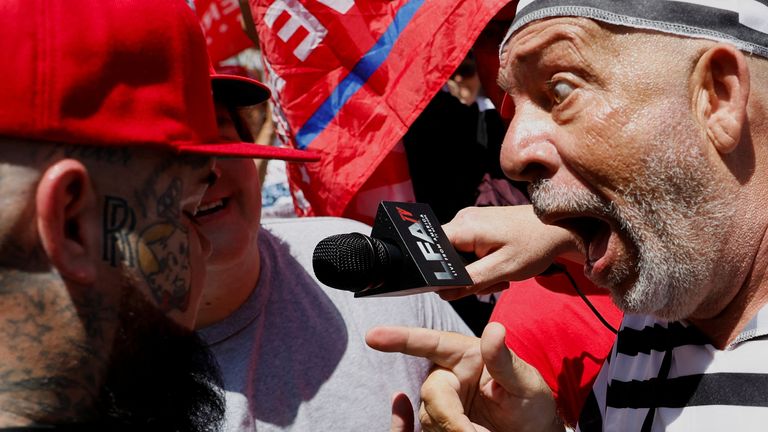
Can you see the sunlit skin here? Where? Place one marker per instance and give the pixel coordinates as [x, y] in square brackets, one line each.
[592, 108]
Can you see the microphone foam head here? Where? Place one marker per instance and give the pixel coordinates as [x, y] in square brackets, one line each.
[351, 262]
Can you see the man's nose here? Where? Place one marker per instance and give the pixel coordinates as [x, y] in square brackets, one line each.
[529, 150]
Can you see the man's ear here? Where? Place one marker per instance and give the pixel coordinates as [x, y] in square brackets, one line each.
[721, 91]
[66, 220]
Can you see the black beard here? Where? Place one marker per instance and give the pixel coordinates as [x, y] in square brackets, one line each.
[161, 376]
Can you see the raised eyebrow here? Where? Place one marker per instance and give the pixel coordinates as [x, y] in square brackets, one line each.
[572, 37]
[516, 56]
[507, 78]
[577, 31]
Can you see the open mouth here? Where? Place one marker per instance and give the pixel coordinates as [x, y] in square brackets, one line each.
[211, 208]
[595, 233]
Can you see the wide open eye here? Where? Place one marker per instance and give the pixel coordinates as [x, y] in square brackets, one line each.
[561, 90]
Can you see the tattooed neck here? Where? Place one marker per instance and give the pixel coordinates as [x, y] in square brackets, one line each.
[54, 342]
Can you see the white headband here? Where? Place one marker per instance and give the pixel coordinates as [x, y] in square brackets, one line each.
[742, 23]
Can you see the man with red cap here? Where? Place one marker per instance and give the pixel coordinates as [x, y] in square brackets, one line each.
[290, 348]
[107, 132]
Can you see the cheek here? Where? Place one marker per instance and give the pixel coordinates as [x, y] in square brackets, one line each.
[164, 259]
[230, 241]
[250, 192]
[611, 144]
[233, 233]
[242, 177]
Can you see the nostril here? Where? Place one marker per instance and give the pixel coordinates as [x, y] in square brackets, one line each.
[530, 172]
[535, 171]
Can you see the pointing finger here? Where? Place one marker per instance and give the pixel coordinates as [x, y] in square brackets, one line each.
[442, 348]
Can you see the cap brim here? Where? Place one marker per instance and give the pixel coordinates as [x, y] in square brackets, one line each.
[240, 149]
[235, 90]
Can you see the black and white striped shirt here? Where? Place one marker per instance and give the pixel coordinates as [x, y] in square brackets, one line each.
[664, 376]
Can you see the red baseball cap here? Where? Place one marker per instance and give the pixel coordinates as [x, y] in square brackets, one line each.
[108, 73]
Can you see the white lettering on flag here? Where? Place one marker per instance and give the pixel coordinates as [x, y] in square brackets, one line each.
[300, 17]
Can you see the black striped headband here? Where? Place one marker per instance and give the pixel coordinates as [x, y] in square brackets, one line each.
[742, 23]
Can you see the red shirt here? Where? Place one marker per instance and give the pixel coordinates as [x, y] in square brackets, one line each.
[550, 327]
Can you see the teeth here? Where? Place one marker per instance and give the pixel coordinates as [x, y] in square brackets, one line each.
[210, 206]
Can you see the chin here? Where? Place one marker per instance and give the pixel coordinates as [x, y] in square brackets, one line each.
[230, 255]
[664, 297]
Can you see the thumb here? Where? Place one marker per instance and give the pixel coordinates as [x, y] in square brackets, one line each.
[402, 414]
[516, 386]
[509, 371]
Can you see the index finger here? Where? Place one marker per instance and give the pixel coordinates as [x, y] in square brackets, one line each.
[442, 348]
[460, 237]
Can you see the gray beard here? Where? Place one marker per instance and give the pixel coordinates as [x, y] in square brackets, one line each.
[675, 215]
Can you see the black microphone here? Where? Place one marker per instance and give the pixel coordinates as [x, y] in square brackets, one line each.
[407, 253]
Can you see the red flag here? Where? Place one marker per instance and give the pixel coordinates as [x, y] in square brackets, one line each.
[222, 24]
[350, 77]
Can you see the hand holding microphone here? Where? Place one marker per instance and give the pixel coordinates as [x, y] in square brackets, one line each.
[510, 242]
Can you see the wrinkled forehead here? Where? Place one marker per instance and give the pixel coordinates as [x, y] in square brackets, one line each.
[742, 23]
